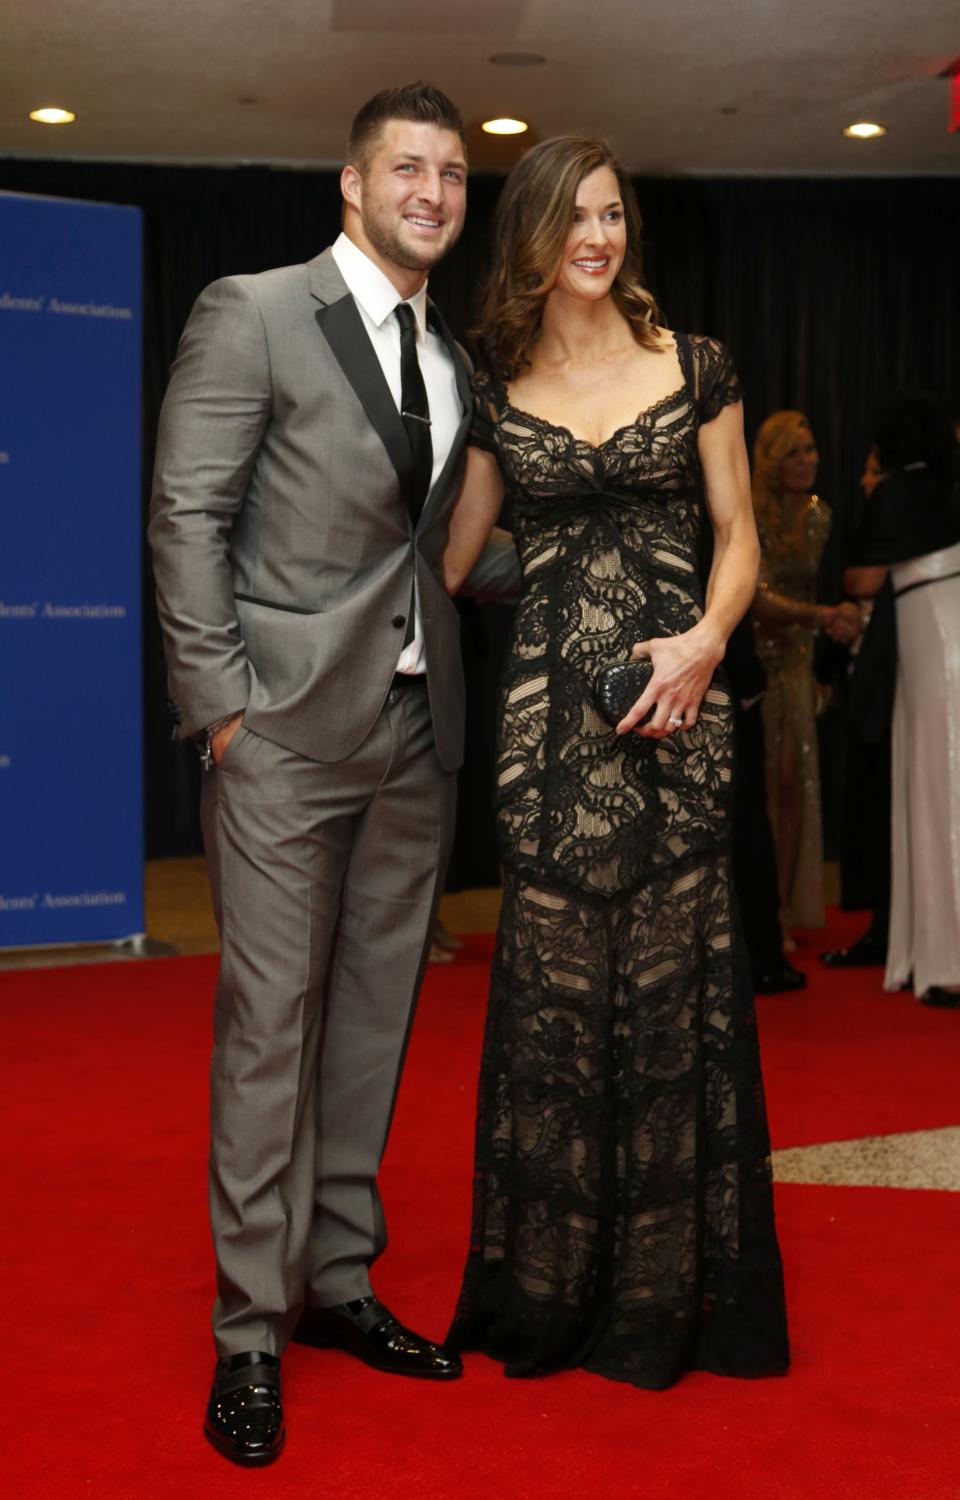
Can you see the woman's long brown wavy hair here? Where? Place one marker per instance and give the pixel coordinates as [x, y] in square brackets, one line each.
[533, 219]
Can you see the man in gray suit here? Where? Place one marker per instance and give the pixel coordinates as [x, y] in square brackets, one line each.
[311, 446]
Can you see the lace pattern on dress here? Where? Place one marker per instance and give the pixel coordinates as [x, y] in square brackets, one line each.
[622, 1209]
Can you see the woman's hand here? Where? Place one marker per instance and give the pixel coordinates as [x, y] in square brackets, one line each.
[684, 664]
[682, 668]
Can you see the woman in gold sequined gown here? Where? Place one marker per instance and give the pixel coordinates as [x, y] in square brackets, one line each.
[623, 1215]
[793, 525]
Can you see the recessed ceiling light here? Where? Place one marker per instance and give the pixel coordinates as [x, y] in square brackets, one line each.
[505, 127]
[864, 130]
[50, 116]
[517, 59]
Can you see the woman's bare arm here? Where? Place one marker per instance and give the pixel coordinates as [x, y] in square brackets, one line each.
[473, 517]
[684, 664]
[736, 550]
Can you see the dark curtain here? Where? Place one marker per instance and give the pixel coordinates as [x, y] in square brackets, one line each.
[829, 292]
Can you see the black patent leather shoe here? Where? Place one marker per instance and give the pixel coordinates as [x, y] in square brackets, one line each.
[370, 1331]
[244, 1418]
[862, 954]
[941, 998]
[778, 980]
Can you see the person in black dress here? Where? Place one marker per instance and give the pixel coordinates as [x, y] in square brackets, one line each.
[623, 1216]
[867, 704]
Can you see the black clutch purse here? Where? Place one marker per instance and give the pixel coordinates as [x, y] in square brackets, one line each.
[617, 688]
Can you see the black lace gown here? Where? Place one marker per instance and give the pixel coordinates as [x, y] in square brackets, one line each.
[622, 1216]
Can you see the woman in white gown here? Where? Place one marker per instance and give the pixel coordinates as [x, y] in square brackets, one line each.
[912, 527]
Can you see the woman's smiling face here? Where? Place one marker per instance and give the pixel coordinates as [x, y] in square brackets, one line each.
[597, 241]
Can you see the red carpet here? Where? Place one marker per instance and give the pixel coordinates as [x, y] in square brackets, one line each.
[107, 1273]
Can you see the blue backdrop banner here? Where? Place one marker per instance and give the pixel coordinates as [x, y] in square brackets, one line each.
[71, 782]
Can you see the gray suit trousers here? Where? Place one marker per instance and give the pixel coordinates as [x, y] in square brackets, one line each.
[325, 881]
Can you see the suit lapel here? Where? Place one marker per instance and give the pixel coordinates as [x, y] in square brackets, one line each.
[342, 327]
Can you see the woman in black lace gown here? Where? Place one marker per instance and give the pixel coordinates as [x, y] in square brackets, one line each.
[623, 1214]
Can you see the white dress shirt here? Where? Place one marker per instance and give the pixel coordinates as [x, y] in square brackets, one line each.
[377, 297]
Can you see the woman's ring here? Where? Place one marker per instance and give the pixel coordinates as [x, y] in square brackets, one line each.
[673, 720]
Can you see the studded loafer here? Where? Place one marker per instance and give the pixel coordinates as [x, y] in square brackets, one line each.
[370, 1331]
[244, 1418]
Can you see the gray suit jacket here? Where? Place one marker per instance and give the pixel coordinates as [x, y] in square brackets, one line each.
[283, 547]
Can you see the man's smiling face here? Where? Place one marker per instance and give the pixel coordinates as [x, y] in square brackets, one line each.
[409, 195]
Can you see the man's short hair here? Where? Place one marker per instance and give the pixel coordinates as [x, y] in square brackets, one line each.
[419, 102]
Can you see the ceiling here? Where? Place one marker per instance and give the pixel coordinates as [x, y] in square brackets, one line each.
[678, 86]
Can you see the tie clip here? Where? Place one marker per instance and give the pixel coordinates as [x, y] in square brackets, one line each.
[417, 417]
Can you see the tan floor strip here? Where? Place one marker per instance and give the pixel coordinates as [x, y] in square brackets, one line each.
[915, 1159]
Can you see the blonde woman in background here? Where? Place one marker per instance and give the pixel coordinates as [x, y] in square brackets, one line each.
[793, 524]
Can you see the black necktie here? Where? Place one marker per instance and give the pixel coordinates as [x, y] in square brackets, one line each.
[414, 409]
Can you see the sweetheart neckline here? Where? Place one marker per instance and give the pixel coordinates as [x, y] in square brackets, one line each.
[664, 401]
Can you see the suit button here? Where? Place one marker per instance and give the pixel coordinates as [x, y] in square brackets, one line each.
[398, 622]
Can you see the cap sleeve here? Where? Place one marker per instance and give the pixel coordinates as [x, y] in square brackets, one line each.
[487, 407]
[718, 384]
